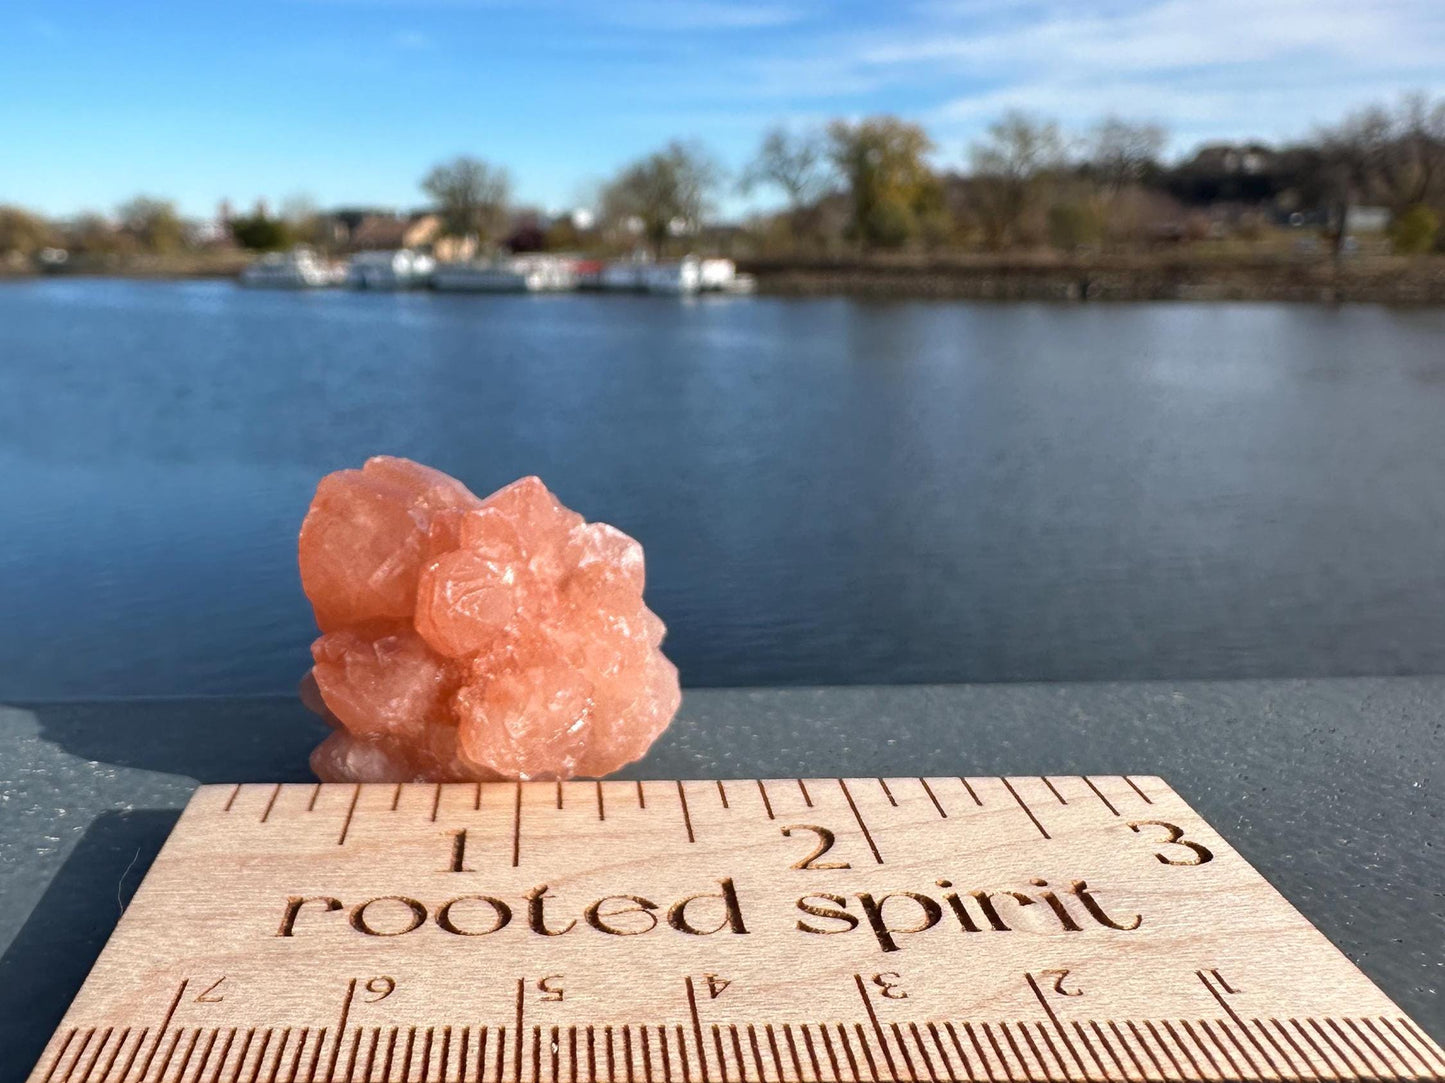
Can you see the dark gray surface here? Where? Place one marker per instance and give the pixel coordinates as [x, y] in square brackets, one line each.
[1331, 789]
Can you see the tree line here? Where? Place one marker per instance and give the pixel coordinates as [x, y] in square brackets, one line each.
[877, 184]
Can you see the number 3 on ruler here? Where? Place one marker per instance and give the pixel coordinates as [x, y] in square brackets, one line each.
[1176, 838]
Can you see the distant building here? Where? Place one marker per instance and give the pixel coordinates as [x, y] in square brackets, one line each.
[1366, 220]
[362, 230]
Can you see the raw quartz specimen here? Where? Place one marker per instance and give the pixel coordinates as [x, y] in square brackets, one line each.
[475, 639]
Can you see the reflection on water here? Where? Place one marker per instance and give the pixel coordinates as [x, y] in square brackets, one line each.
[828, 490]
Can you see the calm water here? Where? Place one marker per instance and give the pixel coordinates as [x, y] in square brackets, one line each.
[828, 490]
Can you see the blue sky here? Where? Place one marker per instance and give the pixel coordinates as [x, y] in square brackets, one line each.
[349, 101]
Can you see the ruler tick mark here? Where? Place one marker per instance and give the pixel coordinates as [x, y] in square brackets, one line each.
[1135, 787]
[723, 794]
[517, 1034]
[396, 797]
[1100, 794]
[1045, 780]
[888, 793]
[641, 798]
[232, 799]
[436, 802]
[932, 797]
[1027, 811]
[559, 793]
[877, 1026]
[969, 788]
[767, 805]
[350, 811]
[161, 1032]
[686, 816]
[601, 807]
[517, 830]
[315, 793]
[867, 835]
[807, 797]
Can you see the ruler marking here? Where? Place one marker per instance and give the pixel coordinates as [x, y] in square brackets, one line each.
[1198, 1044]
[445, 1054]
[828, 1048]
[877, 1027]
[723, 794]
[436, 801]
[572, 1054]
[1090, 1048]
[95, 1056]
[932, 797]
[867, 1046]
[1123, 1041]
[352, 1052]
[1034, 1049]
[1238, 1022]
[1285, 1034]
[315, 793]
[390, 1052]
[666, 1056]
[773, 1048]
[1018, 1055]
[1430, 1047]
[942, 1052]
[923, 1052]
[190, 1051]
[1332, 1047]
[60, 1055]
[738, 1050]
[371, 1054]
[559, 794]
[601, 807]
[807, 797]
[261, 1055]
[888, 793]
[1365, 1040]
[161, 1032]
[477, 797]
[1048, 1008]
[1027, 811]
[1219, 1045]
[517, 829]
[793, 1051]
[1108, 1048]
[266, 1036]
[221, 1063]
[1144, 1045]
[1228, 1032]
[206, 1054]
[812, 1053]
[296, 1058]
[1100, 794]
[627, 1049]
[696, 1019]
[1389, 1045]
[115, 1055]
[104, 1041]
[1053, 1049]
[481, 1059]
[396, 797]
[407, 1056]
[1135, 787]
[521, 1007]
[501, 1053]
[682, 1053]
[978, 1048]
[345, 1007]
[1350, 1045]
[867, 835]
[998, 1052]
[686, 816]
[768, 805]
[79, 1052]
[170, 1052]
[315, 1052]
[1179, 1071]
[958, 1048]
[232, 799]
[611, 1063]
[646, 1053]
[971, 793]
[722, 1056]
[240, 1059]
[1289, 1061]
[591, 1055]
[1045, 780]
[641, 797]
[536, 1054]
[135, 1051]
[1330, 1042]
[847, 1045]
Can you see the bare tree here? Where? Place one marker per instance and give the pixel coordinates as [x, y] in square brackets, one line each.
[1121, 153]
[153, 223]
[1009, 166]
[668, 192]
[22, 232]
[472, 196]
[797, 165]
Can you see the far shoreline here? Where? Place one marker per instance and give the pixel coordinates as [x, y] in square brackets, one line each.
[1391, 280]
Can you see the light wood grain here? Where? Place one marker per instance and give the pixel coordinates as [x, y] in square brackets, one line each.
[859, 930]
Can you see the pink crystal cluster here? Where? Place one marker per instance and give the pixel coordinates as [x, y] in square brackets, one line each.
[475, 639]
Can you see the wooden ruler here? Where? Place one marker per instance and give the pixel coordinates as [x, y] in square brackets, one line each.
[1006, 930]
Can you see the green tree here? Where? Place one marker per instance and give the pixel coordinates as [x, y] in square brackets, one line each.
[1010, 168]
[667, 192]
[22, 232]
[1413, 232]
[261, 233]
[472, 197]
[891, 188]
[796, 164]
[153, 223]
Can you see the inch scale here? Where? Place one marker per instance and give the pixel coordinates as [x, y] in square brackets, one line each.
[904, 930]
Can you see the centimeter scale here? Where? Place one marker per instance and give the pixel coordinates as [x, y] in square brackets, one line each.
[1008, 930]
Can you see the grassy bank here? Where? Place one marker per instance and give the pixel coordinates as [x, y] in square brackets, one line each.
[1380, 279]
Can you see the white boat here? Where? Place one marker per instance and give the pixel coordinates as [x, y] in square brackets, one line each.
[300, 268]
[516, 274]
[680, 277]
[400, 269]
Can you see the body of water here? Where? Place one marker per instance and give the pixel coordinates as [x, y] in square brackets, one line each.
[828, 490]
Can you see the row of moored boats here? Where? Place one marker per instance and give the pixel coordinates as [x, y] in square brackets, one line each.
[302, 268]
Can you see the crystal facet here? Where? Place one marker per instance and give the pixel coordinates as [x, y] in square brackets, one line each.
[475, 639]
